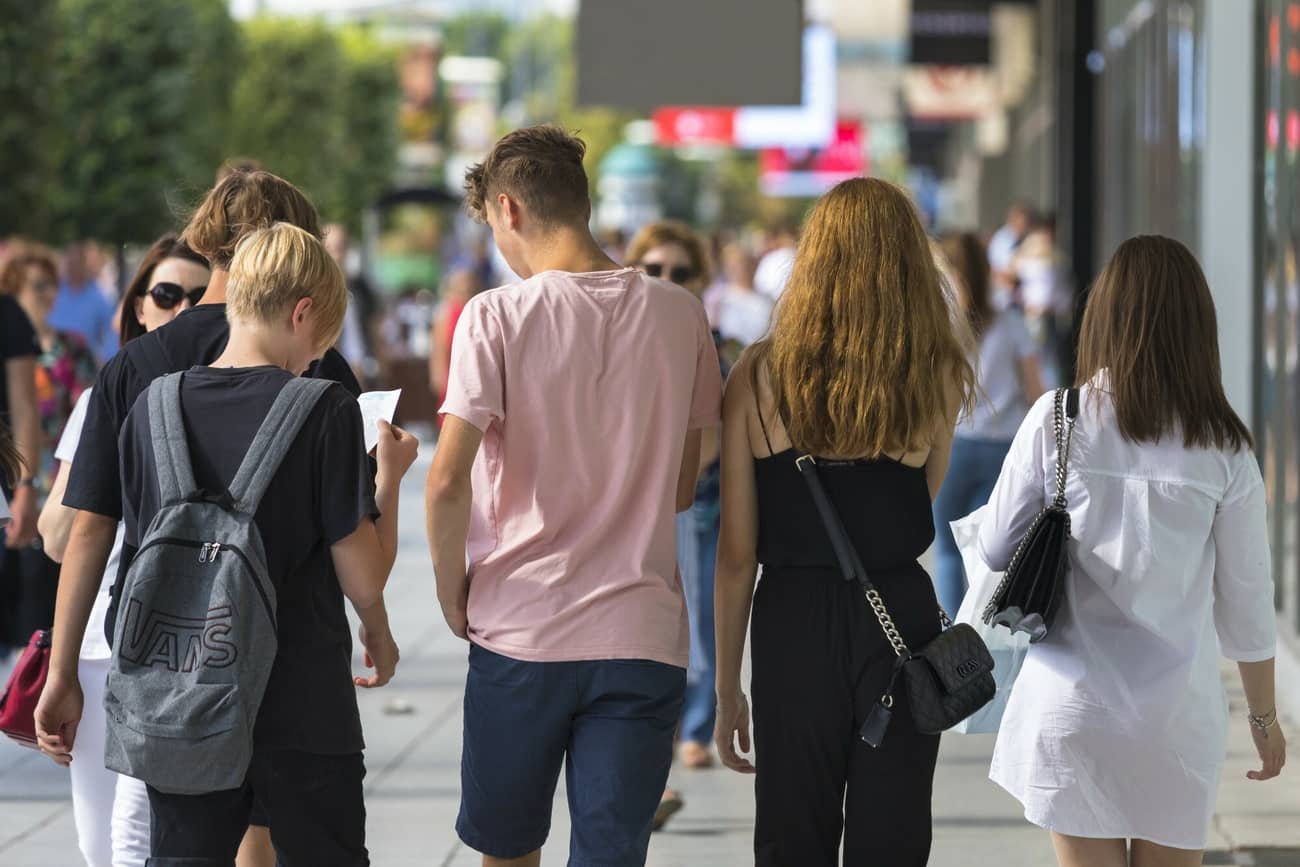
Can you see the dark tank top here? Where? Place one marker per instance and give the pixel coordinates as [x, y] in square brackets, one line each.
[884, 504]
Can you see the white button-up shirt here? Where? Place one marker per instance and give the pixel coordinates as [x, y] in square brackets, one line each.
[1117, 725]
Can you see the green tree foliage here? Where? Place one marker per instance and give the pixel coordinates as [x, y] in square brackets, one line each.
[284, 111]
[123, 101]
[318, 107]
[476, 34]
[26, 86]
[215, 59]
[368, 114]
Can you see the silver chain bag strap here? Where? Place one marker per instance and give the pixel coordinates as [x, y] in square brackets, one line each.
[1030, 592]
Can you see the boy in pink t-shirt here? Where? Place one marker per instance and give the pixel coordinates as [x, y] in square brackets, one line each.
[571, 436]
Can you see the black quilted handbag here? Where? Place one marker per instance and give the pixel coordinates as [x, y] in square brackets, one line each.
[947, 680]
[1027, 597]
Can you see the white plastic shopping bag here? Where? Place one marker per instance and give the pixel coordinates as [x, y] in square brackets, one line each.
[1008, 650]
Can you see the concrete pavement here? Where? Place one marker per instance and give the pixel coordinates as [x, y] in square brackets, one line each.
[413, 730]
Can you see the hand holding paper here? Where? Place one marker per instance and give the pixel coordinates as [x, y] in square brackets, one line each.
[376, 405]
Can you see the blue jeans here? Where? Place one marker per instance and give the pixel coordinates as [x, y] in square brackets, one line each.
[697, 552]
[972, 472]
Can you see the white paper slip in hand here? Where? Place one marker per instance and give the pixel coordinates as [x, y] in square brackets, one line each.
[376, 405]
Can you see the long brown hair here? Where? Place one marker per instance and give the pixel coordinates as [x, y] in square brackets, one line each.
[169, 246]
[970, 277]
[1150, 325]
[863, 355]
[11, 463]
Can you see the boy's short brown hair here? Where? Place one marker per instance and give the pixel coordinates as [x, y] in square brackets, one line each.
[538, 166]
[243, 202]
[275, 268]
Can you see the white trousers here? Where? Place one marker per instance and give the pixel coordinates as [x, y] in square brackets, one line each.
[111, 811]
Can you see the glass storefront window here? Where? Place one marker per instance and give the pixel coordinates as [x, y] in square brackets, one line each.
[1277, 386]
[1151, 120]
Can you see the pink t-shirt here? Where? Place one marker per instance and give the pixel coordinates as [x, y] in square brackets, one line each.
[584, 386]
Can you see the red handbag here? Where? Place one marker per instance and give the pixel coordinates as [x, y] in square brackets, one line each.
[18, 703]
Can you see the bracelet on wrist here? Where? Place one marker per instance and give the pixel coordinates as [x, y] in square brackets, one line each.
[1263, 721]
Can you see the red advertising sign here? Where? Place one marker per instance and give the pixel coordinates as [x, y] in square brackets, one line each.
[695, 126]
[813, 171]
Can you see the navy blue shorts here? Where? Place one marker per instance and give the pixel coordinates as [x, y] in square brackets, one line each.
[612, 719]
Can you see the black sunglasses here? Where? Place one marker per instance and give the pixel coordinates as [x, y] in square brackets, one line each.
[168, 295]
[679, 274]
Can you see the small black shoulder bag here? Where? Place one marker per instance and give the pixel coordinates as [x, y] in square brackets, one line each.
[1027, 597]
[947, 680]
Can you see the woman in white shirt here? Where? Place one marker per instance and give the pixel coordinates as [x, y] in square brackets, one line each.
[746, 314]
[1006, 367]
[1116, 729]
[110, 811]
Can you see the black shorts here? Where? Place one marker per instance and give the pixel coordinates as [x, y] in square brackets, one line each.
[312, 803]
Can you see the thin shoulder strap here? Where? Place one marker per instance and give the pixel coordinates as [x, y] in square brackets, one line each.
[171, 453]
[273, 440]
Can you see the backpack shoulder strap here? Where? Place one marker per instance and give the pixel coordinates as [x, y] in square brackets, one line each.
[171, 452]
[274, 438]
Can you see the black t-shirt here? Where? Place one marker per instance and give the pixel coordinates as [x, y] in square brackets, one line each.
[322, 491]
[17, 340]
[195, 337]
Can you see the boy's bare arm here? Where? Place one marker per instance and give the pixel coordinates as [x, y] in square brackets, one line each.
[448, 496]
[364, 560]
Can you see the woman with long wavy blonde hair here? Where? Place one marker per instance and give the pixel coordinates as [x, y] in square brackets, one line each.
[864, 370]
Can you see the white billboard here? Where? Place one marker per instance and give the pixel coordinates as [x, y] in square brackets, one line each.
[811, 124]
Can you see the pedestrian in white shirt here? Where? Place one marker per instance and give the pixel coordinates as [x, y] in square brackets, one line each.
[1002, 250]
[746, 313]
[775, 265]
[1044, 293]
[1005, 359]
[1115, 732]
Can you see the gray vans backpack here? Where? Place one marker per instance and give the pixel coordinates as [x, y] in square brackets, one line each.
[196, 625]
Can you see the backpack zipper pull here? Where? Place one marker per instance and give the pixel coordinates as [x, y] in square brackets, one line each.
[203, 553]
[212, 555]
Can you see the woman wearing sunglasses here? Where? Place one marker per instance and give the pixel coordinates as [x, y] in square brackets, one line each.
[670, 251]
[111, 812]
[171, 278]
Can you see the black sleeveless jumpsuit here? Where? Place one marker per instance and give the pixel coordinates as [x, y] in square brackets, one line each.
[820, 661]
